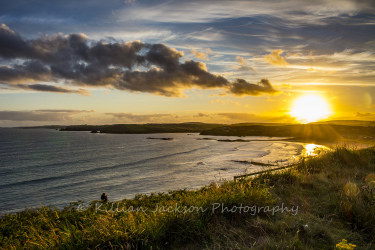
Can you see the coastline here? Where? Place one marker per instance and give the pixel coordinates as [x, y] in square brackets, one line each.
[351, 144]
[110, 164]
[289, 203]
[245, 161]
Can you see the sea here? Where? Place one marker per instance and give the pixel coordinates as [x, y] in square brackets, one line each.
[42, 167]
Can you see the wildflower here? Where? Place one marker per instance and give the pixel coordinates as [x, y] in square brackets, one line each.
[343, 245]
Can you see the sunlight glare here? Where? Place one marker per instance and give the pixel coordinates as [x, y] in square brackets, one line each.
[310, 149]
[310, 108]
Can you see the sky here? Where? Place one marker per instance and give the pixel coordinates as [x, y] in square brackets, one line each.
[135, 61]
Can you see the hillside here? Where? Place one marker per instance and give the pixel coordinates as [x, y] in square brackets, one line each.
[329, 132]
[321, 203]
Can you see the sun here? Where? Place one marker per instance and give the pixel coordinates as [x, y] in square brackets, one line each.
[310, 108]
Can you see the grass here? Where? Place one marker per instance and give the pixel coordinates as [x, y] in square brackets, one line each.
[331, 202]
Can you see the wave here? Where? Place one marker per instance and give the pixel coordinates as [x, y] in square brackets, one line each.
[91, 170]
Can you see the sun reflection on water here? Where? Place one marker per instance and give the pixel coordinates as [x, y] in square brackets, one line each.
[311, 149]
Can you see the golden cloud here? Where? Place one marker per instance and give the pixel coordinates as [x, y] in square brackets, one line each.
[275, 59]
[200, 55]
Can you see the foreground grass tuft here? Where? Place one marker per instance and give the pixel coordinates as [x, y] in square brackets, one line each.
[326, 202]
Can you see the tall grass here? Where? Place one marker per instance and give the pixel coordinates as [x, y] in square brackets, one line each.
[333, 197]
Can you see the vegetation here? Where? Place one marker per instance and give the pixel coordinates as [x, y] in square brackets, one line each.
[189, 127]
[311, 131]
[331, 202]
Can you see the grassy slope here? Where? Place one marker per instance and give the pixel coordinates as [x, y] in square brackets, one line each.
[335, 195]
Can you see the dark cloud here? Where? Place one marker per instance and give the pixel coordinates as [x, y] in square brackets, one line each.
[241, 87]
[202, 115]
[29, 70]
[74, 60]
[11, 44]
[48, 88]
[40, 115]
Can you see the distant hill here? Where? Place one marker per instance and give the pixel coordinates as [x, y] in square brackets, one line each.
[189, 127]
[328, 130]
[312, 131]
[261, 124]
[44, 127]
[348, 123]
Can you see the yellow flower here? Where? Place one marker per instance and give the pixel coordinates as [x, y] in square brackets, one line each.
[345, 246]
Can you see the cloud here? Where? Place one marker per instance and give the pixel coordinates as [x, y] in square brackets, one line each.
[139, 118]
[40, 115]
[240, 116]
[241, 87]
[243, 64]
[275, 59]
[209, 51]
[28, 71]
[49, 88]
[130, 66]
[225, 102]
[65, 111]
[293, 55]
[200, 55]
[203, 115]
[296, 12]
[248, 117]
[359, 114]
[286, 85]
[311, 69]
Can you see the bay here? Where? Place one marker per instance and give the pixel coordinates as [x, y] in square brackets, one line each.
[44, 166]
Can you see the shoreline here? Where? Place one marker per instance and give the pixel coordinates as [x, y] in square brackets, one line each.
[328, 144]
[300, 153]
[351, 144]
[304, 200]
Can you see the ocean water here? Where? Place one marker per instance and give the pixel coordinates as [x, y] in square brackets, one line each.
[42, 166]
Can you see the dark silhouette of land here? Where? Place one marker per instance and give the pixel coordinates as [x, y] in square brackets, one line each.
[151, 128]
[330, 131]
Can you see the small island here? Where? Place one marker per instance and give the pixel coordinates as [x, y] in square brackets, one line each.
[163, 138]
